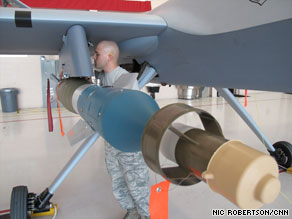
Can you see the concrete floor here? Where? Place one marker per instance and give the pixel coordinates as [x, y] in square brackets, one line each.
[30, 155]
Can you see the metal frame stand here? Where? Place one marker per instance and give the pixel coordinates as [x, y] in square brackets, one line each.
[43, 199]
[228, 96]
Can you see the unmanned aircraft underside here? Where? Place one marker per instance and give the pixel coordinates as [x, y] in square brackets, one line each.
[226, 44]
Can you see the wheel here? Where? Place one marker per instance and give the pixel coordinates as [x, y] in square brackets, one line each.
[283, 153]
[18, 203]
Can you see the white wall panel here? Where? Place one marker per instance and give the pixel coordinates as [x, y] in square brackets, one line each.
[24, 73]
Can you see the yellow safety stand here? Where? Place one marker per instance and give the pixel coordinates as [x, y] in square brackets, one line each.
[289, 170]
[51, 212]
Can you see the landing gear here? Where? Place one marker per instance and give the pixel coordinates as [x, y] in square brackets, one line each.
[18, 203]
[283, 153]
[23, 205]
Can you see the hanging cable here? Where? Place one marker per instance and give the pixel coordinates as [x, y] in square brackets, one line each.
[5, 211]
[55, 212]
[49, 109]
[259, 121]
[286, 197]
[58, 103]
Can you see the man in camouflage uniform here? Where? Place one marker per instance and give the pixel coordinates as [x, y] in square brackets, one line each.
[128, 171]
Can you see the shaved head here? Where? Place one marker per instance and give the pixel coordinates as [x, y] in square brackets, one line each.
[106, 56]
[110, 48]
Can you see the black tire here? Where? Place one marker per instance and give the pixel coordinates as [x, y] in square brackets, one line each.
[283, 153]
[18, 203]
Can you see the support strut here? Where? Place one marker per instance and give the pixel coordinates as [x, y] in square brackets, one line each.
[43, 199]
[228, 96]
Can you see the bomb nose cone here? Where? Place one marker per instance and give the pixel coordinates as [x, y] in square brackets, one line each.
[268, 189]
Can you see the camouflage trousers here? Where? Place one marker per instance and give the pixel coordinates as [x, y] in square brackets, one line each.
[130, 179]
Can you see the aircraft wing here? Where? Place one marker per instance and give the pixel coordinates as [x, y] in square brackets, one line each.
[41, 31]
[232, 44]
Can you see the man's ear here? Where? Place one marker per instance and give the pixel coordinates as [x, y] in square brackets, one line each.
[109, 57]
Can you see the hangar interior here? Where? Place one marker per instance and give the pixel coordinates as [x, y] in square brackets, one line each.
[30, 155]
